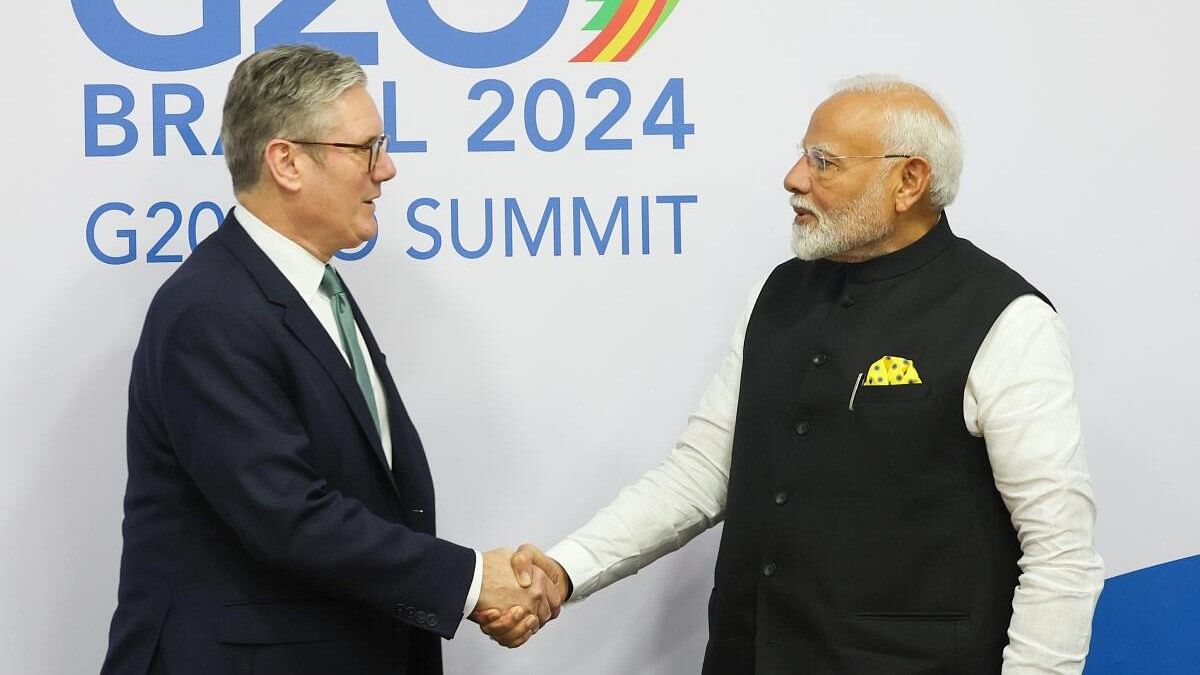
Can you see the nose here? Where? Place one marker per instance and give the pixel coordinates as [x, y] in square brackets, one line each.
[385, 168]
[798, 179]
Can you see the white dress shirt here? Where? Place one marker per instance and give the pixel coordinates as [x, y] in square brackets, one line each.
[305, 272]
[1020, 397]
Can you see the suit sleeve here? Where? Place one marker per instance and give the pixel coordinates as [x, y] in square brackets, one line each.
[237, 434]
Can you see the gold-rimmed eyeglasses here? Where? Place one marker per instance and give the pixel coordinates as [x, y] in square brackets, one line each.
[821, 161]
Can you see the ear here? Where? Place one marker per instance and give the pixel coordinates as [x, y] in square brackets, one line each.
[280, 159]
[914, 183]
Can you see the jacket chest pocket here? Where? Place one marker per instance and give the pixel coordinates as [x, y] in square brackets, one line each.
[898, 426]
[868, 395]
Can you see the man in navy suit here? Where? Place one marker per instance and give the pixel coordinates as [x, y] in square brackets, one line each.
[279, 514]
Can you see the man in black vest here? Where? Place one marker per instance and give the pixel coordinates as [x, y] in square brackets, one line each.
[904, 490]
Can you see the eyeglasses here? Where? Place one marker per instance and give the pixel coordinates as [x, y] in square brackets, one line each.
[820, 161]
[374, 148]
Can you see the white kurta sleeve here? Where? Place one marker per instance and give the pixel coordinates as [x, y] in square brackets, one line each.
[1020, 397]
[671, 503]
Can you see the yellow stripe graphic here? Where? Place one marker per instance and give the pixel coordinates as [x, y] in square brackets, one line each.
[636, 19]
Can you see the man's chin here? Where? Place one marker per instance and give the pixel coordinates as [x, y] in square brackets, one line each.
[803, 245]
[366, 232]
[804, 253]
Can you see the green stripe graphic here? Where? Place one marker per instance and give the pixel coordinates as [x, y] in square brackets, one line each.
[603, 15]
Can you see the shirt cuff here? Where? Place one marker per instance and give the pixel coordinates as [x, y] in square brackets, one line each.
[580, 566]
[476, 586]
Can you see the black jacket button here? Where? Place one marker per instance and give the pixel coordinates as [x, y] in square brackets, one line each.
[781, 497]
[803, 427]
[847, 300]
[820, 359]
[769, 570]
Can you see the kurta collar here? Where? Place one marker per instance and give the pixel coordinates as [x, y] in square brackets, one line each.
[907, 259]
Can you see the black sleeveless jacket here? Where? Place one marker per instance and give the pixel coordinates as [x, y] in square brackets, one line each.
[870, 540]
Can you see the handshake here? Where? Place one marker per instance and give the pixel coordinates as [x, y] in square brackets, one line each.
[522, 591]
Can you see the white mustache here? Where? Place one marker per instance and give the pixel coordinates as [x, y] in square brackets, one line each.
[798, 202]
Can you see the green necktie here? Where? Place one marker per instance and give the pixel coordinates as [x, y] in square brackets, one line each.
[332, 285]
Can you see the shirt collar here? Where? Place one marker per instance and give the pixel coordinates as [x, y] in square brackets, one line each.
[303, 270]
[907, 259]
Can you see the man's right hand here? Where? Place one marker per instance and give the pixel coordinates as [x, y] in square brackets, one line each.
[544, 577]
[531, 597]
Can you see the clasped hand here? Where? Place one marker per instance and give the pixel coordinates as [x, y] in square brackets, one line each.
[530, 585]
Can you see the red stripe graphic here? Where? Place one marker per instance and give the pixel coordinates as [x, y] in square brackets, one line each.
[642, 33]
[610, 31]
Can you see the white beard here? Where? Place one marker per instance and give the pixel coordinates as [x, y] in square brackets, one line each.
[838, 231]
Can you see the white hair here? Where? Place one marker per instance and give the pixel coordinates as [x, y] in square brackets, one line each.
[916, 131]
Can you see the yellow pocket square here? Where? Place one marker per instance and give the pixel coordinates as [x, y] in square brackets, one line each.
[892, 370]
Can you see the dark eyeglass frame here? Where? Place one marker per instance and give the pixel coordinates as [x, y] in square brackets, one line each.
[374, 148]
[819, 160]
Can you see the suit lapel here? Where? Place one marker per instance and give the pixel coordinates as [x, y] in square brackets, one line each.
[408, 456]
[300, 321]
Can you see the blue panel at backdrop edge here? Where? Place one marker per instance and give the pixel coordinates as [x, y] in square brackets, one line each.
[1148, 621]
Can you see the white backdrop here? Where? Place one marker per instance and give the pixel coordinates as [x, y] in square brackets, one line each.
[541, 384]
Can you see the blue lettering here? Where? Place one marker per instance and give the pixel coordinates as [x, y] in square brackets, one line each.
[130, 236]
[568, 115]
[487, 231]
[93, 119]
[389, 123]
[676, 128]
[435, 237]
[155, 255]
[526, 34]
[645, 225]
[286, 23]
[512, 214]
[478, 141]
[194, 237]
[582, 213]
[676, 217]
[217, 39]
[181, 121]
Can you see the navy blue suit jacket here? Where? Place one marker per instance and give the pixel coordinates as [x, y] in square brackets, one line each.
[264, 531]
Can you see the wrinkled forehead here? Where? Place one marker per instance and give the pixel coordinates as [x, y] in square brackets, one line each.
[847, 124]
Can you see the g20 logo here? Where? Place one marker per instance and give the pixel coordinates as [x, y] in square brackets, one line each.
[623, 27]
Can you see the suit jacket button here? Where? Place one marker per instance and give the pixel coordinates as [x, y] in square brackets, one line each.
[408, 611]
[398, 609]
[803, 427]
[847, 300]
[781, 497]
[432, 621]
[420, 617]
[769, 570]
[820, 359]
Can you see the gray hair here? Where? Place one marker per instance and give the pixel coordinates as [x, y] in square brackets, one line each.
[282, 92]
[916, 131]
